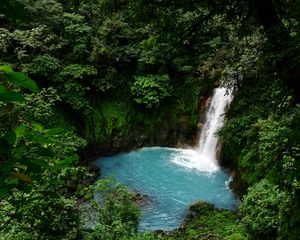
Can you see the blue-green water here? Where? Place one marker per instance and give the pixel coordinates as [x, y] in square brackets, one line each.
[172, 179]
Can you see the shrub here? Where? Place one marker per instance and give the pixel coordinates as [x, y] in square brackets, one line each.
[150, 90]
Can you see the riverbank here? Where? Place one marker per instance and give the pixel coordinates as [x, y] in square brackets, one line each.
[204, 221]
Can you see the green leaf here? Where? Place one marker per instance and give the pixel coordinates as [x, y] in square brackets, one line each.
[53, 131]
[6, 68]
[19, 151]
[20, 130]
[38, 127]
[68, 161]
[41, 139]
[11, 97]
[10, 137]
[36, 166]
[2, 88]
[40, 162]
[22, 80]
[6, 167]
[11, 183]
[20, 166]
[45, 152]
[3, 192]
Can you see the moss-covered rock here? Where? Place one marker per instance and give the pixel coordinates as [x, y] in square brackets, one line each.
[206, 221]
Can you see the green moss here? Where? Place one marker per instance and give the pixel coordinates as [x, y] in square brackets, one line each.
[188, 104]
[149, 120]
[108, 117]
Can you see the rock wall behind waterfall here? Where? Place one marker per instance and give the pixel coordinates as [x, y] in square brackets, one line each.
[114, 128]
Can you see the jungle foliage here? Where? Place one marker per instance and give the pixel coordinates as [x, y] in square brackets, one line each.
[103, 69]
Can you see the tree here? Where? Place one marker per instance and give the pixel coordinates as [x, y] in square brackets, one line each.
[37, 171]
[264, 209]
[118, 214]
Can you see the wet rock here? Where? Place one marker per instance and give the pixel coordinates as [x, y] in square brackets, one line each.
[141, 198]
[159, 232]
[238, 185]
[199, 208]
[219, 151]
[95, 170]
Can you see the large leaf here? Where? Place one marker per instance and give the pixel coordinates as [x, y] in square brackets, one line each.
[10, 96]
[22, 80]
[2, 89]
[6, 68]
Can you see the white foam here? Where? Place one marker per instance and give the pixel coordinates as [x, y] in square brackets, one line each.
[192, 159]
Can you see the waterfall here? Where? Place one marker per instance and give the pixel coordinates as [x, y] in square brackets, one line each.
[214, 120]
[204, 156]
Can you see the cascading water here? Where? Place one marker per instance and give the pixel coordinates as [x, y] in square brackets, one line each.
[204, 156]
[213, 122]
[172, 178]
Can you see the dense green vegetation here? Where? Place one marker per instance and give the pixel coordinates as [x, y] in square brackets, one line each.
[113, 75]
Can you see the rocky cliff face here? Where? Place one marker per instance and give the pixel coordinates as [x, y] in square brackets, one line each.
[165, 133]
[112, 129]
